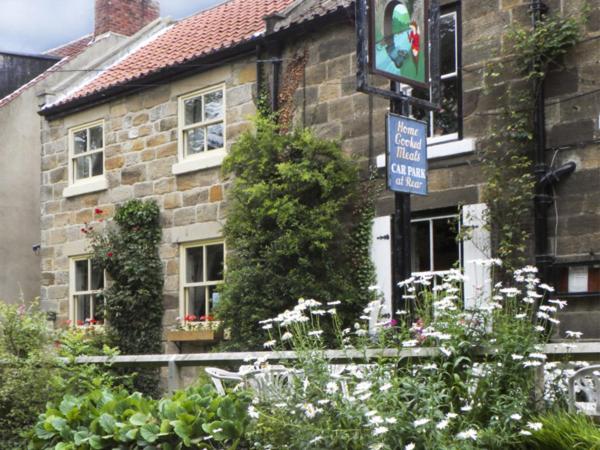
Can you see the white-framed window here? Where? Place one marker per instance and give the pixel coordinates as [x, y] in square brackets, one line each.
[201, 129]
[87, 151]
[445, 126]
[86, 159]
[86, 282]
[435, 247]
[202, 267]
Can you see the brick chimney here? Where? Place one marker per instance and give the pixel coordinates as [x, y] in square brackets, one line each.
[124, 16]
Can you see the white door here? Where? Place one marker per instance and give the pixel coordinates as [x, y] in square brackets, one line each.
[476, 247]
[381, 255]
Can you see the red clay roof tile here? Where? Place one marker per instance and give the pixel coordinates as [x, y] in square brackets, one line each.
[224, 25]
[71, 48]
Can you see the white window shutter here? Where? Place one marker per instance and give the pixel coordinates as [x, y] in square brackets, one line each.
[381, 255]
[476, 246]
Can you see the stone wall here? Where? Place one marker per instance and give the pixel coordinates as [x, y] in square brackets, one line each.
[140, 150]
[326, 99]
[319, 91]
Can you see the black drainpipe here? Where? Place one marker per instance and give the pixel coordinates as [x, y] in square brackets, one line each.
[259, 71]
[542, 200]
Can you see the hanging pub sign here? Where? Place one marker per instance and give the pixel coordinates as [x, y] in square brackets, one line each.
[398, 40]
[406, 154]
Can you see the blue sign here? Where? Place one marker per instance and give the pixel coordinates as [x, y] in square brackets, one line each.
[406, 155]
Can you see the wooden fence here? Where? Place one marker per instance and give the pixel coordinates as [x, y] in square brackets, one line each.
[581, 351]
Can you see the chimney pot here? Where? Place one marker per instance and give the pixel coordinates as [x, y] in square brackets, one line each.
[124, 17]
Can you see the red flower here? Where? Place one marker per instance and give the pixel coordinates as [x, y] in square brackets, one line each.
[109, 254]
[98, 211]
[208, 318]
[80, 323]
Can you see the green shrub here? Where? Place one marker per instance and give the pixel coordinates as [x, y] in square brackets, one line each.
[285, 232]
[134, 302]
[77, 379]
[564, 431]
[104, 419]
[28, 374]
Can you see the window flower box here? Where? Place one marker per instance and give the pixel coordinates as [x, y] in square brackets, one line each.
[191, 329]
[193, 335]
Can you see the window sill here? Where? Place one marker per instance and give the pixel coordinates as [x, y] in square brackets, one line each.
[214, 159]
[445, 149]
[85, 187]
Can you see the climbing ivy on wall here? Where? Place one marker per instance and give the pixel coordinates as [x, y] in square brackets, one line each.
[507, 153]
[134, 301]
[296, 228]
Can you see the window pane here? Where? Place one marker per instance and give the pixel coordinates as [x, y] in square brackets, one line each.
[97, 164]
[196, 298]
[98, 308]
[213, 108]
[80, 141]
[83, 307]
[445, 247]
[194, 265]
[420, 247]
[96, 138]
[447, 44]
[214, 262]
[81, 275]
[82, 167]
[194, 141]
[215, 136]
[213, 299]
[446, 121]
[97, 277]
[193, 110]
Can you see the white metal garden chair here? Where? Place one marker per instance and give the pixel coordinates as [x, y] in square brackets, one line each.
[218, 376]
[271, 383]
[584, 391]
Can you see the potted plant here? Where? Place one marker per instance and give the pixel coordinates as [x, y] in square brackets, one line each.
[193, 328]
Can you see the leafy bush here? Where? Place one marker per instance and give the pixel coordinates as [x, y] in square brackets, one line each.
[134, 302]
[28, 376]
[461, 398]
[291, 195]
[104, 419]
[77, 379]
[562, 431]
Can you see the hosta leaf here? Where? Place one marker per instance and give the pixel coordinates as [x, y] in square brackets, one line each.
[226, 409]
[44, 434]
[80, 437]
[63, 446]
[107, 422]
[58, 423]
[165, 426]
[132, 434]
[67, 404]
[183, 431]
[149, 433]
[96, 442]
[138, 419]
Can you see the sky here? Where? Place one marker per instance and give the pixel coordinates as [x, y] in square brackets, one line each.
[33, 26]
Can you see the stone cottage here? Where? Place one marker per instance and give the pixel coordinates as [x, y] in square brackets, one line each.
[20, 128]
[159, 120]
